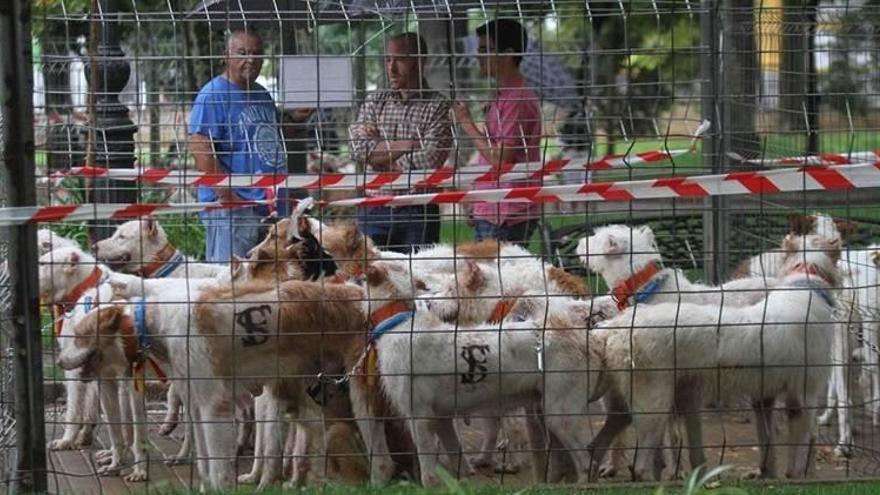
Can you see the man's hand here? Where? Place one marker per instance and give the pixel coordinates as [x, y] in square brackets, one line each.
[227, 195]
[462, 113]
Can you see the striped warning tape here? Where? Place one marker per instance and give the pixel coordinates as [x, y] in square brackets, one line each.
[810, 178]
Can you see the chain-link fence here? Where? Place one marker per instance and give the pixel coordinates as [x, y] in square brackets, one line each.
[540, 230]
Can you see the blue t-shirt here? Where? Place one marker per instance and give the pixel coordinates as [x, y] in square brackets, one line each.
[243, 126]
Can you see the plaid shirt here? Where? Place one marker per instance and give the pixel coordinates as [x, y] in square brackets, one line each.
[388, 116]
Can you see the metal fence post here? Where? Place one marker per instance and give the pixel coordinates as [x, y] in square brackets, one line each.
[16, 88]
[712, 158]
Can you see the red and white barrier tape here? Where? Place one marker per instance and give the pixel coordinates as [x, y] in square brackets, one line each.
[820, 159]
[58, 213]
[437, 178]
[810, 178]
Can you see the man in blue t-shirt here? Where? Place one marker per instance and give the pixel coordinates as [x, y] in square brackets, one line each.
[234, 129]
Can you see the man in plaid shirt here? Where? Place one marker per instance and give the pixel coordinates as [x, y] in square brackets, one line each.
[404, 129]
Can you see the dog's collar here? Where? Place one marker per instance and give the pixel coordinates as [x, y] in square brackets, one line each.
[821, 291]
[639, 285]
[70, 299]
[68, 302]
[388, 317]
[136, 345]
[502, 309]
[164, 262]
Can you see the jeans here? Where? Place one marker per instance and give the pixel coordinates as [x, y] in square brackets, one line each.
[518, 233]
[232, 231]
[402, 228]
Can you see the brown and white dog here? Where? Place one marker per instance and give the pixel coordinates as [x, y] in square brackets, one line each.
[239, 341]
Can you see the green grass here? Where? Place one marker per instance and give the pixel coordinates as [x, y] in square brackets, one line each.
[845, 488]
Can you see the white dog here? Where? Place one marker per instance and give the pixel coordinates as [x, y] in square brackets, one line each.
[778, 348]
[495, 368]
[65, 275]
[141, 247]
[852, 309]
[76, 283]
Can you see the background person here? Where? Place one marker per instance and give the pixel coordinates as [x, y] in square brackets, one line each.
[404, 128]
[234, 128]
[512, 131]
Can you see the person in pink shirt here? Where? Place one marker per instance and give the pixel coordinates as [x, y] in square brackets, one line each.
[512, 132]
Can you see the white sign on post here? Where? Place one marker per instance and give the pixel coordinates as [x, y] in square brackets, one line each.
[309, 81]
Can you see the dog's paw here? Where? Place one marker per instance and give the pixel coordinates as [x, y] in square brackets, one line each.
[842, 452]
[111, 469]
[61, 444]
[103, 457]
[249, 478]
[507, 467]
[481, 463]
[607, 470]
[138, 474]
[85, 437]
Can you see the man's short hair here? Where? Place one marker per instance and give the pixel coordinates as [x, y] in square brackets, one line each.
[240, 31]
[415, 44]
[508, 36]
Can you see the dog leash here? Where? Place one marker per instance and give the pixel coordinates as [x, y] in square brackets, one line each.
[138, 366]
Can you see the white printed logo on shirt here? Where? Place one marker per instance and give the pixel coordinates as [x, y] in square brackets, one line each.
[266, 142]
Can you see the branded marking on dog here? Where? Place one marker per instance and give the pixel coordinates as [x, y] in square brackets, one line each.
[254, 320]
[475, 356]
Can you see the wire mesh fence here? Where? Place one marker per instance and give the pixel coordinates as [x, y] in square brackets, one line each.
[557, 241]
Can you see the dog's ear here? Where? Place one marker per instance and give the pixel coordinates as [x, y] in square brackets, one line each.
[317, 261]
[152, 227]
[71, 263]
[235, 266]
[791, 242]
[834, 249]
[474, 279]
[847, 228]
[800, 224]
[376, 274]
[613, 245]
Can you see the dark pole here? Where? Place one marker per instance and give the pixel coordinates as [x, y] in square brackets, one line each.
[713, 225]
[16, 88]
[114, 130]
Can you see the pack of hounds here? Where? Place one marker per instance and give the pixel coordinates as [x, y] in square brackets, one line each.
[317, 333]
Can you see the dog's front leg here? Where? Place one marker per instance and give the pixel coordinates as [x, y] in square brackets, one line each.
[273, 446]
[801, 441]
[218, 420]
[73, 414]
[109, 393]
[139, 437]
[299, 454]
[489, 427]
[260, 413]
[764, 425]
[373, 432]
[91, 405]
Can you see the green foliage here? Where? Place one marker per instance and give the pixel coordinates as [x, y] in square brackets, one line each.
[697, 484]
[186, 232]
